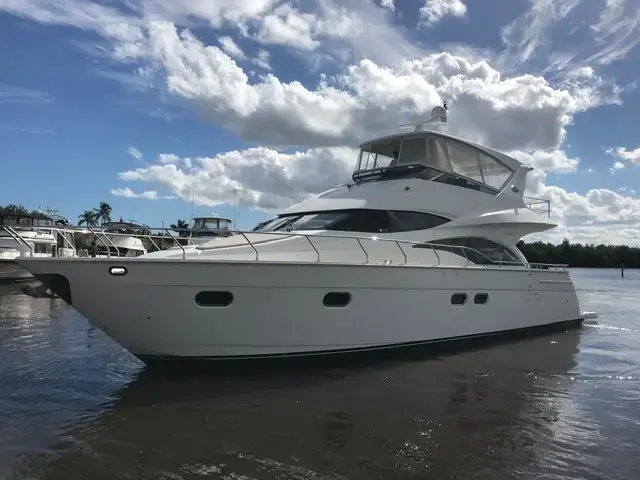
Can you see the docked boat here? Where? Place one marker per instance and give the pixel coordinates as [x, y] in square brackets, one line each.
[418, 246]
[208, 228]
[29, 234]
[114, 239]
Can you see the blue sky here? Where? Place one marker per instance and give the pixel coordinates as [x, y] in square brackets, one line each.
[268, 99]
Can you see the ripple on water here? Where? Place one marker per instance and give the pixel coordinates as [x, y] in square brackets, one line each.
[73, 403]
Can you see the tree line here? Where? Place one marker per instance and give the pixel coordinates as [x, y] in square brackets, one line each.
[95, 217]
[579, 255]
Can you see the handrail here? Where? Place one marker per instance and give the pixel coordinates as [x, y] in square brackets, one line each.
[16, 236]
[66, 241]
[435, 247]
[529, 203]
[102, 242]
[106, 235]
[184, 254]
[312, 246]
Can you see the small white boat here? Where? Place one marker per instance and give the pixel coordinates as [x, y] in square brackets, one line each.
[418, 247]
[29, 234]
[207, 228]
[113, 239]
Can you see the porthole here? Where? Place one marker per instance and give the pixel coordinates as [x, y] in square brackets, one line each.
[214, 299]
[480, 298]
[458, 298]
[118, 271]
[336, 299]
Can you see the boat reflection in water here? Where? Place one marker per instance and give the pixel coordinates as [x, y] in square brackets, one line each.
[490, 412]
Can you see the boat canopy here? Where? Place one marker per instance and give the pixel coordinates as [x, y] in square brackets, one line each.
[26, 220]
[437, 151]
[211, 223]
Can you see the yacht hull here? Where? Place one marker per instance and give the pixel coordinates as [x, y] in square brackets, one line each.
[278, 310]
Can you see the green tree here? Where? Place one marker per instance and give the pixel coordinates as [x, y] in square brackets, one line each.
[103, 213]
[88, 218]
[181, 227]
[13, 209]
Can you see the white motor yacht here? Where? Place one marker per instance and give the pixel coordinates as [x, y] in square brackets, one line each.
[418, 247]
[29, 234]
[206, 229]
[115, 239]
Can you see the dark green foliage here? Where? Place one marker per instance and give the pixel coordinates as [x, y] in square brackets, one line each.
[578, 255]
[13, 209]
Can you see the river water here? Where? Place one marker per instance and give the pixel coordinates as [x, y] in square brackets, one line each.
[73, 404]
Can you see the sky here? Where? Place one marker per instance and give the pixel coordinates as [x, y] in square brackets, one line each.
[162, 108]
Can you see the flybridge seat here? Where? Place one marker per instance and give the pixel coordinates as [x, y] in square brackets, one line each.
[435, 156]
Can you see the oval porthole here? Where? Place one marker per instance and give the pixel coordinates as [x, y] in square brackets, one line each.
[480, 298]
[118, 271]
[214, 298]
[458, 298]
[336, 299]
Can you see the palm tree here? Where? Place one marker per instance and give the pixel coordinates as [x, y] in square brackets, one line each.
[88, 218]
[103, 213]
[181, 227]
[13, 209]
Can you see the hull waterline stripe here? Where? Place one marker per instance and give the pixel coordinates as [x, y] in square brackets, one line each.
[565, 324]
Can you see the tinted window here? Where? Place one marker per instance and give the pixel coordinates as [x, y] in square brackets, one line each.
[413, 150]
[364, 221]
[407, 221]
[368, 221]
[461, 182]
[479, 250]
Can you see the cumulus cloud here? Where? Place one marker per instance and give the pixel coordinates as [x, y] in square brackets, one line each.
[510, 113]
[231, 48]
[616, 166]
[434, 10]
[623, 153]
[379, 80]
[259, 177]
[555, 161]
[388, 4]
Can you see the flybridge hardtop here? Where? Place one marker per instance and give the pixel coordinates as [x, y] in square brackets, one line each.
[415, 171]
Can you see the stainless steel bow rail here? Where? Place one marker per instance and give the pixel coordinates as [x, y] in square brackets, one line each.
[105, 239]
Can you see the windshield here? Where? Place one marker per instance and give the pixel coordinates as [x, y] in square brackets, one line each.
[16, 220]
[211, 224]
[447, 155]
[370, 160]
[313, 221]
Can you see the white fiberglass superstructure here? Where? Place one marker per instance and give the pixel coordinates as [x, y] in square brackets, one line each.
[30, 234]
[419, 246]
[208, 228]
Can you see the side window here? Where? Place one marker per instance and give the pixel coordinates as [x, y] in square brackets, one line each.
[479, 250]
[494, 251]
[413, 150]
[494, 173]
[366, 221]
[407, 221]
[464, 160]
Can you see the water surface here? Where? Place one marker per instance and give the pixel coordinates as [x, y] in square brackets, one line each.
[73, 404]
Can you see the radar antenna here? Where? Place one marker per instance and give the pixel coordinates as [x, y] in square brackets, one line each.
[438, 115]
